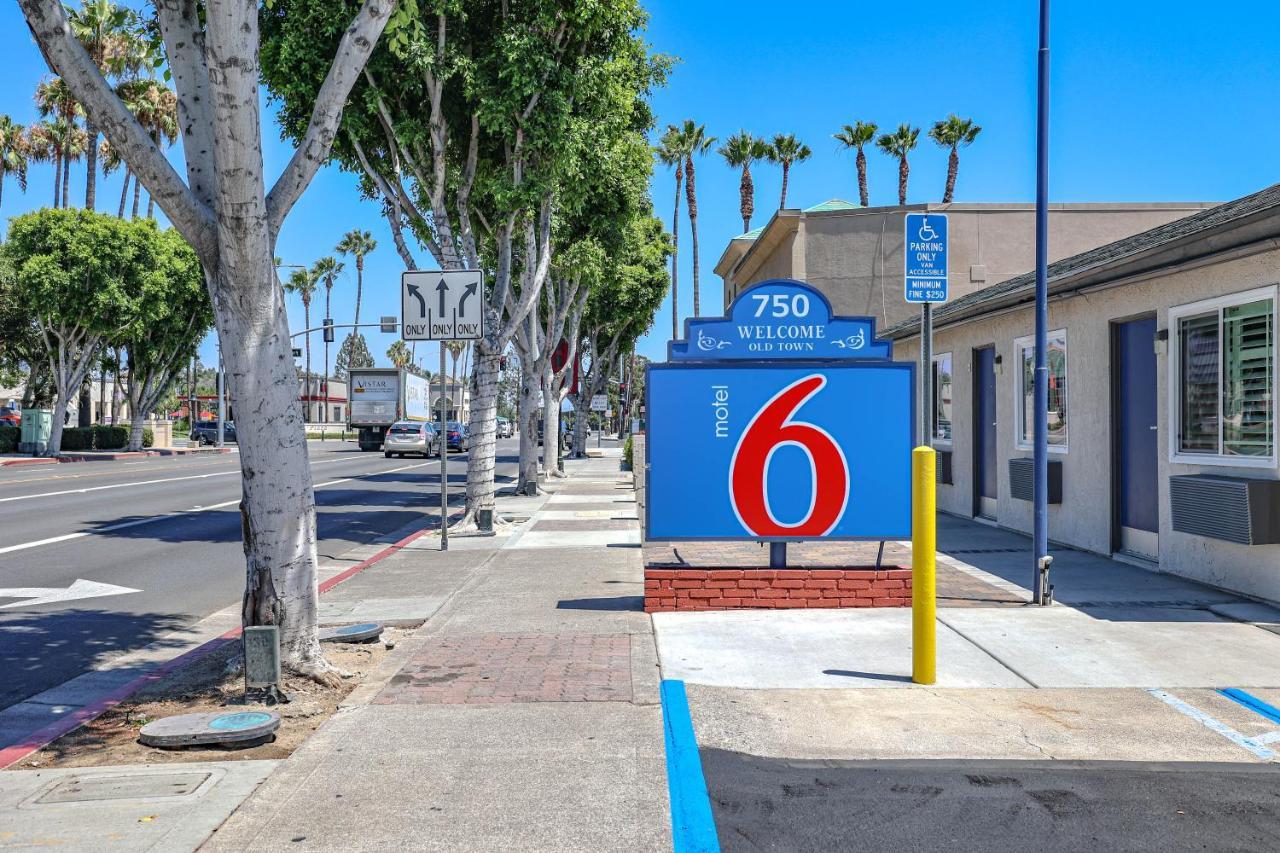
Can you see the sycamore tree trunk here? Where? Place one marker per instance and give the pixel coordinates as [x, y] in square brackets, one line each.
[530, 413]
[482, 439]
[550, 424]
[581, 407]
[71, 363]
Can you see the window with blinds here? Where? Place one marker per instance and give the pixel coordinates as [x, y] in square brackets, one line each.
[1226, 363]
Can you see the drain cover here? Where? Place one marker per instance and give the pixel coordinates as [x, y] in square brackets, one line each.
[126, 786]
[204, 729]
[363, 633]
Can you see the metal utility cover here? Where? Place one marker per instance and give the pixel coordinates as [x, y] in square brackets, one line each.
[442, 306]
[362, 633]
[124, 786]
[210, 728]
[261, 656]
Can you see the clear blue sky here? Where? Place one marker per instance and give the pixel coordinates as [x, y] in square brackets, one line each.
[1150, 102]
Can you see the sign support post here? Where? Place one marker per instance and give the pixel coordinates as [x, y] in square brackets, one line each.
[924, 623]
[926, 374]
[444, 462]
[1040, 391]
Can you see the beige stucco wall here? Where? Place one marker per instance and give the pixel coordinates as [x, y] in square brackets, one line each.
[1084, 517]
[855, 256]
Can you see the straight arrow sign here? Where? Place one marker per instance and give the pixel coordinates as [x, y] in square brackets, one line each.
[442, 289]
[53, 595]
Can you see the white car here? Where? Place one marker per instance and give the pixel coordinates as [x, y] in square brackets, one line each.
[405, 437]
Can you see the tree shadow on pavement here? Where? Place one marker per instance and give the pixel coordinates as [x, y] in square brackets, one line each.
[40, 650]
[621, 603]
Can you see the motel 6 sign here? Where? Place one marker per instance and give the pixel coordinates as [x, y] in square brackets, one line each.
[780, 422]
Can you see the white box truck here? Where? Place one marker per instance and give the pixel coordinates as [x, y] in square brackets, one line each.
[380, 396]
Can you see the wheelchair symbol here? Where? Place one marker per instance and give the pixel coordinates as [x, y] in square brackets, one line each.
[927, 233]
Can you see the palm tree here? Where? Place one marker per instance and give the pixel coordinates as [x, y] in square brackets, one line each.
[899, 144]
[55, 101]
[111, 36]
[156, 108]
[953, 132]
[13, 153]
[357, 243]
[303, 283]
[693, 141]
[671, 154]
[740, 151]
[326, 270]
[400, 354]
[857, 135]
[785, 150]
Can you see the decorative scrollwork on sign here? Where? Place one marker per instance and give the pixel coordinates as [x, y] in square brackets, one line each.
[857, 341]
[706, 343]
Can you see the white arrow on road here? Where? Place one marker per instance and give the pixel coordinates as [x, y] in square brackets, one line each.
[51, 595]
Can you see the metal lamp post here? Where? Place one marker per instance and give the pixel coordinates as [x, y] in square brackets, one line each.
[1040, 542]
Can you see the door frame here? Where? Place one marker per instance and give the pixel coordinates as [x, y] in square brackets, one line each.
[1113, 420]
[978, 426]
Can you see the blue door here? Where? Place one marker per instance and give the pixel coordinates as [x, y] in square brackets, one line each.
[984, 439]
[1136, 441]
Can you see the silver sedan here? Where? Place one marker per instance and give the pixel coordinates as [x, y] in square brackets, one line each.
[405, 437]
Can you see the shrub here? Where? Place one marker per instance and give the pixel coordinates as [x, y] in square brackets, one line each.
[9, 436]
[77, 438]
[626, 452]
[109, 437]
[148, 437]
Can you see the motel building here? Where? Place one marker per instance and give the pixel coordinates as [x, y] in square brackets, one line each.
[1162, 367]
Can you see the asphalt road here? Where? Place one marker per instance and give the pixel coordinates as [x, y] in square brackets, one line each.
[170, 527]
[990, 806]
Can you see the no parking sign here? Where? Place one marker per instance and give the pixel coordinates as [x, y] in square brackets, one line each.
[780, 422]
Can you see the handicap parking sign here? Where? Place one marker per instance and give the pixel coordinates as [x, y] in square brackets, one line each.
[925, 257]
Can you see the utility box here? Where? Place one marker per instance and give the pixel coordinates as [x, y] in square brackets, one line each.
[37, 424]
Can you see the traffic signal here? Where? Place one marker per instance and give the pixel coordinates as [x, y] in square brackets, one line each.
[328, 330]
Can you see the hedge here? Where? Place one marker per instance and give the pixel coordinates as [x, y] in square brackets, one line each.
[9, 436]
[626, 452]
[99, 437]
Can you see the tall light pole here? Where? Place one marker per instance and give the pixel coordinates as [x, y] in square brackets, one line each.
[1040, 543]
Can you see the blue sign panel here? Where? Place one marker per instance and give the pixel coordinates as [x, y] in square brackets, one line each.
[925, 257]
[779, 319]
[780, 451]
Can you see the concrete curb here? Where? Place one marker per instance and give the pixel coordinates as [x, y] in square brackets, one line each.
[112, 457]
[42, 737]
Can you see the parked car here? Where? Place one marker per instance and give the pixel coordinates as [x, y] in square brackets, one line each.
[505, 428]
[404, 437]
[10, 415]
[458, 436]
[206, 432]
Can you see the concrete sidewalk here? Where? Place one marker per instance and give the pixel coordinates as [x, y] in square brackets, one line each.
[523, 715]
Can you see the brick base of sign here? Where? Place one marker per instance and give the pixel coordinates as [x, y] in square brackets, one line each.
[668, 590]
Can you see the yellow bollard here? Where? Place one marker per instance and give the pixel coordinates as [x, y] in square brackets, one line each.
[924, 582]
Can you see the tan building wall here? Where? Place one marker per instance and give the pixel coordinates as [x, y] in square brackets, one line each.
[1084, 519]
[855, 256]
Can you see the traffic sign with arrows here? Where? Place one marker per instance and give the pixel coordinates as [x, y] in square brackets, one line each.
[442, 306]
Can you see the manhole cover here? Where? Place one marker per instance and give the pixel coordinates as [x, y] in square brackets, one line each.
[129, 786]
[204, 729]
[362, 633]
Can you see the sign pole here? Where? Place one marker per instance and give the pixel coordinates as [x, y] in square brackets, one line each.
[444, 462]
[1040, 481]
[926, 374]
[924, 627]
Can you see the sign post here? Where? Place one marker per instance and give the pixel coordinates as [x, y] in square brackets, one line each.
[925, 282]
[442, 306]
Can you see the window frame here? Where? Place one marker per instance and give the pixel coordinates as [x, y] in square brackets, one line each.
[1028, 342]
[1218, 304]
[934, 441]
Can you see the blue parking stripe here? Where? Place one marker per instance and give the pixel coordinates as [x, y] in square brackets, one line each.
[1253, 703]
[693, 830]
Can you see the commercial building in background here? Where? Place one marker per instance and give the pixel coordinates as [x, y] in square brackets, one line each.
[323, 400]
[1163, 400]
[854, 254]
[454, 395]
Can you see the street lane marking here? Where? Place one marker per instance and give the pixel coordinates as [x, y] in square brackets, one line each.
[146, 483]
[81, 588]
[692, 826]
[1253, 703]
[67, 537]
[1213, 724]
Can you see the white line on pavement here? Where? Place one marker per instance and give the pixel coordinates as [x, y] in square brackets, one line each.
[145, 483]
[1212, 724]
[66, 537]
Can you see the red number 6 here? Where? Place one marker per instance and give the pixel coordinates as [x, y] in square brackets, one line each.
[770, 429]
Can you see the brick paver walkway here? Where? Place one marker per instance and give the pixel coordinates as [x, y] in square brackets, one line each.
[504, 668]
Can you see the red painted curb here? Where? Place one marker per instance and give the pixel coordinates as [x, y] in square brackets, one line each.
[111, 457]
[41, 738]
[35, 460]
